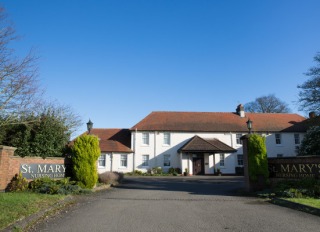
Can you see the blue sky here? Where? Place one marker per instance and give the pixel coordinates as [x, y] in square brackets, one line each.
[116, 61]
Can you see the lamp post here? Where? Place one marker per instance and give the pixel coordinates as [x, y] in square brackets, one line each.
[89, 126]
[249, 125]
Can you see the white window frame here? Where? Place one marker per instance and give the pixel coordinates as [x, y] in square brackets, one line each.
[222, 160]
[166, 138]
[123, 158]
[238, 140]
[238, 156]
[102, 159]
[296, 138]
[278, 139]
[166, 160]
[145, 139]
[145, 161]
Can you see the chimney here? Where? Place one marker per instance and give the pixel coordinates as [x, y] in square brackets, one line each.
[312, 114]
[240, 111]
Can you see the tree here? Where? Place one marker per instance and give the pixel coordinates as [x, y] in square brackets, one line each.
[267, 104]
[309, 96]
[46, 134]
[85, 153]
[310, 144]
[19, 89]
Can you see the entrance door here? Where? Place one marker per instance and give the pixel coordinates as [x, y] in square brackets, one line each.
[198, 166]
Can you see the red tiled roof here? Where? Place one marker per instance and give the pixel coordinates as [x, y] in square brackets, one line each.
[219, 122]
[198, 144]
[113, 140]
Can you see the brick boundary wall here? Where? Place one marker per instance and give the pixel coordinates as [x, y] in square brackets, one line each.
[10, 164]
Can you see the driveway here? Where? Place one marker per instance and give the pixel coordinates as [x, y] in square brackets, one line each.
[178, 204]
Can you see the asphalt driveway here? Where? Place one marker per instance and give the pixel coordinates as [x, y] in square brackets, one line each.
[178, 204]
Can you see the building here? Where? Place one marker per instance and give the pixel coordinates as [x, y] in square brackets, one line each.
[201, 142]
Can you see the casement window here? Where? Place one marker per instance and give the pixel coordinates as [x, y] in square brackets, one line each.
[145, 138]
[102, 161]
[221, 160]
[145, 161]
[278, 138]
[240, 160]
[296, 139]
[238, 136]
[279, 155]
[166, 160]
[166, 138]
[123, 161]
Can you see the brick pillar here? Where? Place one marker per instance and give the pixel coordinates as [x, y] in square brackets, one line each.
[5, 157]
[248, 186]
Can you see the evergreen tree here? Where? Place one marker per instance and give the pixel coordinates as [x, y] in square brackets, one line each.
[85, 154]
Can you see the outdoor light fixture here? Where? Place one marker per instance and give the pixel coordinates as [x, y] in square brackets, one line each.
[89, 126]
[249, 125]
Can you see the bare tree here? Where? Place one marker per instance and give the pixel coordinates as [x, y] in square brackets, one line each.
[267, 104]
[309, 96]
[19, 89]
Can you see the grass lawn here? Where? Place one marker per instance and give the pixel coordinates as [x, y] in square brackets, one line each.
[306, 201]
[15, 206]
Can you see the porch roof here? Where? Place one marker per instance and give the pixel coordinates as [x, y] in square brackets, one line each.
[198, 144]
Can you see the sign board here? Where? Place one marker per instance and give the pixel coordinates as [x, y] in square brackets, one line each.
[33, 171]
[294, 168]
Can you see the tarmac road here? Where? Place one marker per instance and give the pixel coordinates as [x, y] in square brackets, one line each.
[178, 204]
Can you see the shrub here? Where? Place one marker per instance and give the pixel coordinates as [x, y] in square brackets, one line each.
[257, 157]
[49, 186]
[110, 178]
[85, 153]
[298, 188]
[310, 144]
[17, 184]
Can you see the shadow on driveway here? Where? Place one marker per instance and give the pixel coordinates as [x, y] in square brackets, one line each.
[196, 185]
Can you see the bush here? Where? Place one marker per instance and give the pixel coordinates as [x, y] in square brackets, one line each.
[17, 184]
[257, 158]
[298, 188]
[310, 144]
[112, 178]
[85, 153]
[49, 186]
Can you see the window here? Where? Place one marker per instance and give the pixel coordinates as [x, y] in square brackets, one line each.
[296, 139]
[166, 138]
[166, 160]
[278, 138]
[123, 161]
[240, 160]
[238, 136]
[145, 138]
[279, 155]
[145, 161]
[221, 160]
[102, 161]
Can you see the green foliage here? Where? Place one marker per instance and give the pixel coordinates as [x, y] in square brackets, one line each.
[156, 170]
[45, 136]
[64, 186]
[17, 184]
[308, 187]
[310, 144]
[309, 96]
[85, 153]
[257, 157]
[175, 171]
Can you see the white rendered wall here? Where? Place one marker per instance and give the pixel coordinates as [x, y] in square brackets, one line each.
[157, 149]
[113, 163]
